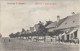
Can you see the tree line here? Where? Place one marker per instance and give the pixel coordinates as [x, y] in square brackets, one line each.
[42, 31]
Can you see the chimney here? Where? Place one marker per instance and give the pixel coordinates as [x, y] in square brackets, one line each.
[58, 18]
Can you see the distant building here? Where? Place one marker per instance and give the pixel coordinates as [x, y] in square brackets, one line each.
[32, 29]
[36, 26]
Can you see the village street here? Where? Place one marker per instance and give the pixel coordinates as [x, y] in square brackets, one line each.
[24, 45]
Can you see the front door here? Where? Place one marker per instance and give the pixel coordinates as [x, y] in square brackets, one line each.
[75, 34]
[67, 37]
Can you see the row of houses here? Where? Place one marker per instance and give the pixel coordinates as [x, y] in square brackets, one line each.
[67, 28]
[62, 30]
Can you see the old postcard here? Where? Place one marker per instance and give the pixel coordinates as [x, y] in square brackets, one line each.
[39, 25]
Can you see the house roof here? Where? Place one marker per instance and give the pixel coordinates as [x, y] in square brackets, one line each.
[67, 22]
[55, 24]
[61, 21]
[72, 30]
[71, 21]
[52, 25]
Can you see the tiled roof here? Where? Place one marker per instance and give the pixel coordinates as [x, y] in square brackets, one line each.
[52, 25]
[55, 24]
[71, 21]
[61, 21]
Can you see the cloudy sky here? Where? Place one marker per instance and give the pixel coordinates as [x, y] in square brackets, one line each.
[14, 17]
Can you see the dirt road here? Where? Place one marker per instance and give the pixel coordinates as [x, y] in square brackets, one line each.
[24, 45]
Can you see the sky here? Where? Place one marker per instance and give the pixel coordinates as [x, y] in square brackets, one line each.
[14, 17]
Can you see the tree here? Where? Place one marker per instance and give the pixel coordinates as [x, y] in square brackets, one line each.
[17, 34]
[23, 30]
[41, 30]
[12, 35]
[0, 35]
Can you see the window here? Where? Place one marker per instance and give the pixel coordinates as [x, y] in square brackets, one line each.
[75, 34]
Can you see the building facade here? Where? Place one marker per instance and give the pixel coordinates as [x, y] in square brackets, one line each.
[70, 28]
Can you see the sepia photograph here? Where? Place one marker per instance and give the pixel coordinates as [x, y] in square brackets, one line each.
[39, 25]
